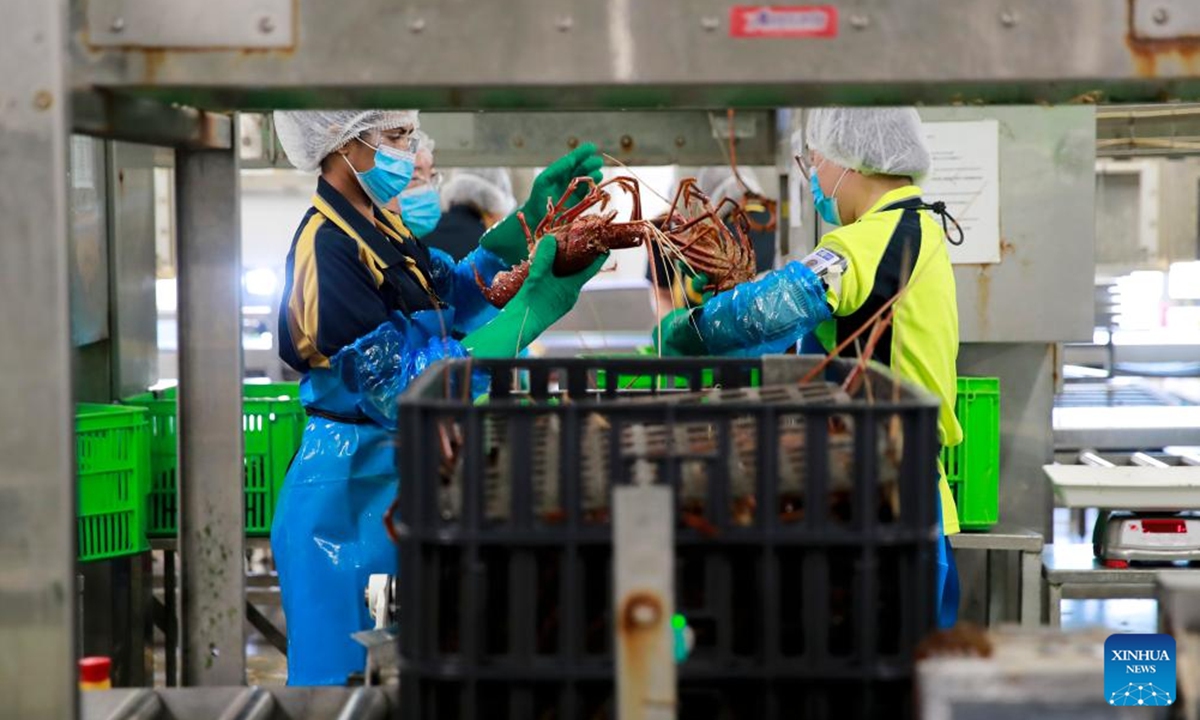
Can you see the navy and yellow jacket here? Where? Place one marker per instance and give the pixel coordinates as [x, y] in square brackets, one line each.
[347, 275]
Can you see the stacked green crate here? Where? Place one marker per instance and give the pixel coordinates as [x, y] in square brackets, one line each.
[112, 455]
[273, 423]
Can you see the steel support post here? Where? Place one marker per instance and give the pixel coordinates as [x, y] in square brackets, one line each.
[211, 520]
[37, 489]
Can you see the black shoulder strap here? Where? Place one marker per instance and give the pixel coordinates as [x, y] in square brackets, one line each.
[895, 267]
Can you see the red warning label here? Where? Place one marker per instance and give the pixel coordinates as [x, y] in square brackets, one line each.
[783, 21]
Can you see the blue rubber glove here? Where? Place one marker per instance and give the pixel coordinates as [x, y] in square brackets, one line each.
[765, 316]
[507, 239]
[541, 301]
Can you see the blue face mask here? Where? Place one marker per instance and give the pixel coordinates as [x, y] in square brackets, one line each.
[826, 206]
[421, 209]
[393, 169]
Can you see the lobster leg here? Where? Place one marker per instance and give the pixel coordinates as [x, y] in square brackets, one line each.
[529, 237]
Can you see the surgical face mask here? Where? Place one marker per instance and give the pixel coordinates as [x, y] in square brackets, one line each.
[421, 209]
[826, 206]
[393, 169]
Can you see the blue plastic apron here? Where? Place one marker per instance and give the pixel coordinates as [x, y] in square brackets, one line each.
[328, 535]
[947, 580]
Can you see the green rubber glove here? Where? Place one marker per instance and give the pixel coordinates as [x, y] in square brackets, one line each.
[540, 302]
[507, 239]
[679, 335]
[696, 285]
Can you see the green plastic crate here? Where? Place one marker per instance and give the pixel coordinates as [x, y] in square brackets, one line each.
[273, 422]
[644, 382]
[973, 466]
[112, 455]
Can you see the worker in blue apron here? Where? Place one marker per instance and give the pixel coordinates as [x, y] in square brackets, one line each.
[365, 310]
[863, 167]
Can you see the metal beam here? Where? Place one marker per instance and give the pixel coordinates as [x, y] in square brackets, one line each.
[264, 625]
[212, 514]
[683, 137]
[556, 54]
[37, 442]
[122, 117]
[634, 138]
[133, 315]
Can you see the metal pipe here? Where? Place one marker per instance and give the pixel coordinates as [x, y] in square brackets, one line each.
[252, 704]
[364, 704]
[142, 704]
[211, 470]
[1141, 458]
[1089, 457]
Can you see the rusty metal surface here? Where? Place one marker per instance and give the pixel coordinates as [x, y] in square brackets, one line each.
[643, 602]
[548, 54]
[121, 117]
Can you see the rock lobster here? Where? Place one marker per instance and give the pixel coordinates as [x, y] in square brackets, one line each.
[581, 238]
[709, 244]
[692, 231]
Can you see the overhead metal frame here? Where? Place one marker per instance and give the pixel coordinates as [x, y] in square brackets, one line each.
[548, 54]
[509, 139]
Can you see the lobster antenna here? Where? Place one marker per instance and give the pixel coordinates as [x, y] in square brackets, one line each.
[635, 176]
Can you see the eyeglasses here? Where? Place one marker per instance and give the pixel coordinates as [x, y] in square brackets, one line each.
[433, 180]
[402, 138]
[806, 167]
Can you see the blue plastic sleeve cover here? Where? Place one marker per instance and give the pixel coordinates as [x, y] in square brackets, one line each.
[765, 316]
[455, 284]
[380, 365]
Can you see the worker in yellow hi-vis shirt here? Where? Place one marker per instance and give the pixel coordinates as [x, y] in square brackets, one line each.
[863, 166]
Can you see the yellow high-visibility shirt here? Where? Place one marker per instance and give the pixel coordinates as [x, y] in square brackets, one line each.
[892, 241]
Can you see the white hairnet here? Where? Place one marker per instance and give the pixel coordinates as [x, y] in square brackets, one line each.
[884, 141]
[718, 182]
[309, 136]
[487, 189]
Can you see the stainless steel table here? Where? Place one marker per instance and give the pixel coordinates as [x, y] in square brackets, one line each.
[1004, 537]
[1071, 571]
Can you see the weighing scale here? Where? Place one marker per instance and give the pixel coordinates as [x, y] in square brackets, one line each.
[1148, 509]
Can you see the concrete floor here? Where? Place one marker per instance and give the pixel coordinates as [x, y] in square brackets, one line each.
[264, 664]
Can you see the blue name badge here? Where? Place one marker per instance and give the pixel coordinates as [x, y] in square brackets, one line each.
[1139, 669]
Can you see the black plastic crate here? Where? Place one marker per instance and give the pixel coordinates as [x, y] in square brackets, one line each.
[799, 608]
